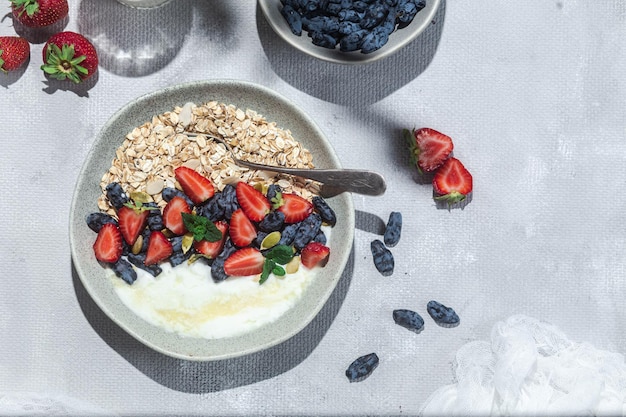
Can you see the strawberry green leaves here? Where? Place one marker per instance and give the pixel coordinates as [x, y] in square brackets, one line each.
[201, 227]
[69, 56]
[61, 63]
[274, 259]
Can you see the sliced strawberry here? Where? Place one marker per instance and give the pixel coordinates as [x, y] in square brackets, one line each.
[244, 262]
[294, 207]
[132, 221]
[429, 148]
[242, 231]
[212, 249]
[108, 245]
[172, 218]
[196, 186]
[313, 254]
[252, 201]
[452, 182]
[159, 248]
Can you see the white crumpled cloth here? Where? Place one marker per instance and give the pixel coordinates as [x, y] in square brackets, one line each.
[37, 404]
[531, 368]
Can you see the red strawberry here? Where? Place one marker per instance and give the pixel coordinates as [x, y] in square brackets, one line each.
[69, 55]
[39, 13]
[294, 207]
[132, 221]
[159, 248]
[14, 51]
[196, 186]
[212, 249]
[429, 148]
[242, 231]
[108, 245]
[252, 201]
[244, 262]
[452, 182]
[313, 254]
[172, 218]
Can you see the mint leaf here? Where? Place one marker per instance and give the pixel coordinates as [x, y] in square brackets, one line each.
[268, 267]
[279, 271]
[281, 254]
[201, 227]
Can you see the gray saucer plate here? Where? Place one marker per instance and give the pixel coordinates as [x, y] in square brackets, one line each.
[94, 277]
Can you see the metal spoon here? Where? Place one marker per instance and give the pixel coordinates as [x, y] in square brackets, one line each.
[334, 181]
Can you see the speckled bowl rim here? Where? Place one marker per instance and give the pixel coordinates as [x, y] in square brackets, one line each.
[397, 40]
[244, 95]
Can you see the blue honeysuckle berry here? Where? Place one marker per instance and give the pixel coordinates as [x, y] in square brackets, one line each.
[96, 220]
[353, 41]
[116, 195]
[307, 230]
[362, 367]
[138, 261]
[375, 40]
[393, 229]
[324, 210]
[293, 18]
[408, 319]
[383, 258]
[442, 315]
[124, 270]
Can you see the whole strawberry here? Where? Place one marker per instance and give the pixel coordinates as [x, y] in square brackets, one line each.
[14, 51]
[39, 13]
[69, 56]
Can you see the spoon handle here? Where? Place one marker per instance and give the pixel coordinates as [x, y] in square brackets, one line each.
[335, 181]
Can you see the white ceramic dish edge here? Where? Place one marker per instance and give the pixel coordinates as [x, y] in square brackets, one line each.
[92, 275]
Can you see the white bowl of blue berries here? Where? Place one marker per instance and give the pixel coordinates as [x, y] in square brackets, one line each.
[349, 31]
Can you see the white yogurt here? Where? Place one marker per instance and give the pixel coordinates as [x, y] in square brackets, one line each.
[186, 300]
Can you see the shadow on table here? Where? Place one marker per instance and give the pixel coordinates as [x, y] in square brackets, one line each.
[352, 85]
[135, 42]
[202, 377]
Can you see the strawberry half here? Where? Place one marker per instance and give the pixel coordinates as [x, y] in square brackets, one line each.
[452, 182]
[69, 56]
[108, 245]
[172, 218]
[14, 52]
[196, 186]
[313, 254]
[294, 207]
[212, 249]
[429, 148]
[242, 231]
[132, 221]
[244, 262]
[39, 13]
[159, 248]
[252, 202]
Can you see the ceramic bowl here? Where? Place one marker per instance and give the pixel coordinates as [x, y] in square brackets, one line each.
[94, 277]
[397, 40]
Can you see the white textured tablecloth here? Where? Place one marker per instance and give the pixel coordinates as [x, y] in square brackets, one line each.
[533, 94]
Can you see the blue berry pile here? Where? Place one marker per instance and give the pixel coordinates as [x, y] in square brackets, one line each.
[352, 25]
[382, 256]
